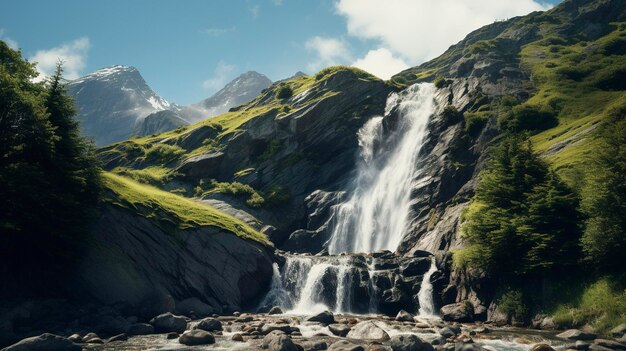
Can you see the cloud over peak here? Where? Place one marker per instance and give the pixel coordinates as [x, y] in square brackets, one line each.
[73, 54]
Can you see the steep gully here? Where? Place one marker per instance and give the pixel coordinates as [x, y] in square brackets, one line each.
[359, 274]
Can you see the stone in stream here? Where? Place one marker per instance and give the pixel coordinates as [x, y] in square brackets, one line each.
[575, 334]
[209, 324]
[404, 316]
[118, 337]
[542, 347]
[275, 310]
[237, 337]
[277, 341]
[339, 329]
[325, 318]
[409, 342]
[344, 345]
[167, 322]
[315, 346]
[268, 328]
[171, 335]
[367, 330]
[611, 344]
[76, 338]
[457, 312]
[196, 337]
[47, 341]
[449, 332]
[90, 336]
[140, 329]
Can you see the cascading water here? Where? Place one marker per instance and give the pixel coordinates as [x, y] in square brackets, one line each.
[373, 218]
[425, 295]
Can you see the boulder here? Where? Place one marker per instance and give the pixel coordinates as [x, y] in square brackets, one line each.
[315, 346]
[611, 344]
[268, 328]
[196, 337]
[118, 337]
[339, 329]
[575, 334]
[325, 318]
[404, 316]
[457, 312]
[542, 347]
[47, 342]
[90, 336]
[76, 338]
[171, 335]
[448, 332]
[367, 330]
[167, 322]
[210, 325]
[619, 330]
[344, 345]
[277, 341]
[140, 329]
[237, 337]
[193, 306]
[275, 310]
[409, 343]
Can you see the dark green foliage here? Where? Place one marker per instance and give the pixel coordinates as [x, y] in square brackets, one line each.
[276, 195]
[440, 82]
[529, 118]
[451, 115]
[284, 91]
[475, 122]
[604, 200]
[49, 178]
[523, 220]
[512, 303]
[613, 78]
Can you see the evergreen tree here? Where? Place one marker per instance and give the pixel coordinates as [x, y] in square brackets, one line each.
[604, 200]
[523, 220]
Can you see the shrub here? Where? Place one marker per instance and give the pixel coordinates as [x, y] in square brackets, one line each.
[529, 118]
[440, 82]
[475, 122]
[613, 78]
[284, 91]
[512, 303]
[451, 115]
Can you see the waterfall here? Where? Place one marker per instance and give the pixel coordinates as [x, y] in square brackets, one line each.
[373, 218]
[375, 215]
[425, 295]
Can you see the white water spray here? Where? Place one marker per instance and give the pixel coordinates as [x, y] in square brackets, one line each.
[375, 216]
[425, 295]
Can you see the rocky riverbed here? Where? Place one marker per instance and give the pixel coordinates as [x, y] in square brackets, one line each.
[324, 331]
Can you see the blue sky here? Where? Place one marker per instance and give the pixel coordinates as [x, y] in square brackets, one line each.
[186, 50]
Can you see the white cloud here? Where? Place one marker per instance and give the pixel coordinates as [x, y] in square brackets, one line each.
[328, 52]
[222, 74]
[255, 10]
[73, 54]
[422, 29]
[381, 63]
[10, 42]
[217, 32]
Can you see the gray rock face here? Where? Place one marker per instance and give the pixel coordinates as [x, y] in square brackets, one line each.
[134, 259]
[368, 330]
[158, 122]
[167, 322]
[196, 337]
[193, 306]
[111, 101]
[48, 342]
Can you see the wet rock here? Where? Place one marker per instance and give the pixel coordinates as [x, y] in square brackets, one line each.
[48, 342]
[95, 341]
[237, 337]
[315, 346]
[468, 347]
[457, 312]
[118, 337]
[404, 316]
[172, 335]
[367, 330]
[344, 345]
[275, 310]
[596, 347]
[448, 332]
[378, 348]
[619, 330]
[339, 329]
[277, 341]
[482, 330]
[611, 344]
[581, 345]
[244, 319]
[193, 306]
[196, 337]
[542, 347]
[268, 328]
[167, 322]
[409, 343]
[325, 318]
[76, 338]
[210, 325]
[575, 334]
[140, 329]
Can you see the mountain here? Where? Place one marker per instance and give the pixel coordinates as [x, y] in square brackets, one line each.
[111, 101]
[237, 92]
[159, 122]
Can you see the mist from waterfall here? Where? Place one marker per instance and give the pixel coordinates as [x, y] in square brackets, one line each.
[375, 216]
